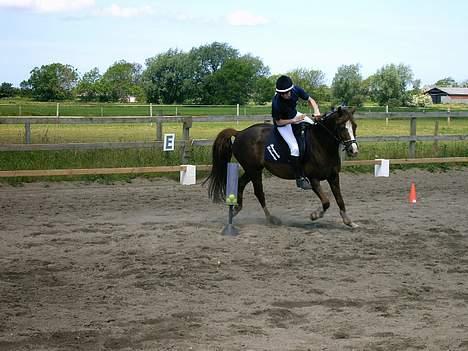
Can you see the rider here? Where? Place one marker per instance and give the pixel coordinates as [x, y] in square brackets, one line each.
[284, 112]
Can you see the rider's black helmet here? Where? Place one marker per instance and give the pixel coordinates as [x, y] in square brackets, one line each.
[283, 84]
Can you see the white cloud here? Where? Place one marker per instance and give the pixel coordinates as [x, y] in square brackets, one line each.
[47, 5]
[245, 18]
[117, 11]
[55, 6]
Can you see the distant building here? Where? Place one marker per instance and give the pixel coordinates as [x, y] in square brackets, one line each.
[443, 95]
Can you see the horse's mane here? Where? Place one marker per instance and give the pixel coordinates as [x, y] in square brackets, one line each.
[338, 110]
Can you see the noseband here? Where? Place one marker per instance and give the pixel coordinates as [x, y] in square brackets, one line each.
[348, 143]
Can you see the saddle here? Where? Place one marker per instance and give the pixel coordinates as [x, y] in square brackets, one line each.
[276, 149]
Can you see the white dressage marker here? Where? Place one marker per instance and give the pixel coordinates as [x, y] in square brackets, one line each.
[382, 169]
[169, 142]
[188, 175]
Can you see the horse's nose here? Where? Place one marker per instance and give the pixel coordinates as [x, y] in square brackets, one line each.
[353, 150]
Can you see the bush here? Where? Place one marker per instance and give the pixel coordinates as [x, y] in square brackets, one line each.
[420, 100]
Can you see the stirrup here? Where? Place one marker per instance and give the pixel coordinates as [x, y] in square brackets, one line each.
[303, 183]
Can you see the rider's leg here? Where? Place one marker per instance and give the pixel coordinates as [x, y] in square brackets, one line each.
[301, 181]
[288, 136]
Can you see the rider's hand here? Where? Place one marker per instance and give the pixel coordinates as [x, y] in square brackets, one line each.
[298, 118]
[317, 116]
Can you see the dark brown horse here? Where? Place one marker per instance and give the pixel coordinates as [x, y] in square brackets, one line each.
[321, 160]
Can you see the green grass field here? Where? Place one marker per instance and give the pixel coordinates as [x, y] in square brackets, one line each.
[58, 133]
[18, 107]
[74, 109]
[61, 133]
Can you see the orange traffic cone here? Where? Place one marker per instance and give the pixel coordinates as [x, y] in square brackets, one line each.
[412, 194]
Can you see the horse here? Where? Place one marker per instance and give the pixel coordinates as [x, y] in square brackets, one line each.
[321, 160]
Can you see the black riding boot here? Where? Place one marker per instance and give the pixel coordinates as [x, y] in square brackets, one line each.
[301, 181]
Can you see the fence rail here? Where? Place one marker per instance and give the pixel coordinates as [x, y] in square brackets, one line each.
[186, 143]
[210, 118]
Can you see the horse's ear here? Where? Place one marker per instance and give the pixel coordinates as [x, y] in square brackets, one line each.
[339, 109]
[353, 110]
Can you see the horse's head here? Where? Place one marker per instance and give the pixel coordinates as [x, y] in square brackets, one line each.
[345, 128]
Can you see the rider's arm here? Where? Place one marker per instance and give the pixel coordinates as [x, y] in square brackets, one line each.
[283, 122]
[314, 105]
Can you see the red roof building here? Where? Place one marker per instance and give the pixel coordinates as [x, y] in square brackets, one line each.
[443, 95]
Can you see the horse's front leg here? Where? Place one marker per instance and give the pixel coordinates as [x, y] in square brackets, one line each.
[335, 188]
[317, 188]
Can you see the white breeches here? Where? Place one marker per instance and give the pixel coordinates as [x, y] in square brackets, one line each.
[288, 136]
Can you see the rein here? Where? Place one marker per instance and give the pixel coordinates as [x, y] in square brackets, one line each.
[320, 123]
[346, 143]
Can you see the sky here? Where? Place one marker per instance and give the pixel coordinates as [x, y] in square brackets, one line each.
[428, 36]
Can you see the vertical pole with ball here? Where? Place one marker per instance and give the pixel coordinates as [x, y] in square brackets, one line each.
[231, 196]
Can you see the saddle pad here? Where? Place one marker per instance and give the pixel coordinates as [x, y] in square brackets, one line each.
[276, 149]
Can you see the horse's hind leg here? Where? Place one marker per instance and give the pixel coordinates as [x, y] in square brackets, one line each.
[258, 190]
[335, 188]
[243, 181]
[317, 188]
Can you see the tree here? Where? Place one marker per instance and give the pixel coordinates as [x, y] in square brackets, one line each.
[7, 90]
[206, 61]
[88, 87]
[309, 80]
[167, 78]
[53, 82]
[120, 81]
[211, 74]
[347, 86]
[210, 58]
[234, 82]
[312, 81]
[263, 90]
[25, 89]
[388, 86]
[448, 82]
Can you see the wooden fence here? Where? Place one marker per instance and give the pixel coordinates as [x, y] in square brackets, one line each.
[187, 142]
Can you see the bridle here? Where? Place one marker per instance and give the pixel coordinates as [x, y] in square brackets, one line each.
[347, 144]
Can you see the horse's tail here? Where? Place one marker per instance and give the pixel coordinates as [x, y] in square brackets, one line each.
[221, 154]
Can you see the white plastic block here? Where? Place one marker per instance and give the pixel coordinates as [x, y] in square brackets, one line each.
[188, 175]
[382, 169]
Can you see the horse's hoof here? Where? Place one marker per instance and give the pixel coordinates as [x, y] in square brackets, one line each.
[274, 220]
[352, 225]
[316, 215]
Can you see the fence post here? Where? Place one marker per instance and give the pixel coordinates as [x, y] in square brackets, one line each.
[187, 146]
[435, 146]
[386, 115]
[58, 110]
[158, 130]
[151, 109]
[412, 143]
[27, 132]
[448, 117]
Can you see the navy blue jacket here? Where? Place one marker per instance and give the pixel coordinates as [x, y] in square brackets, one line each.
[286, 109]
